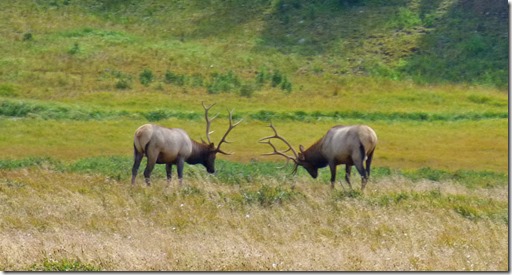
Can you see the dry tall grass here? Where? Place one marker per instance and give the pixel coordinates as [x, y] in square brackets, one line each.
[396, 225]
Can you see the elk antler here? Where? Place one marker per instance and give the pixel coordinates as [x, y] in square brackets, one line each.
[277, 136]
[280, 153]
[231, 126]
[208, 121]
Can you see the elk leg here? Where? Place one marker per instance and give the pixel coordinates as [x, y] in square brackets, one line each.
[348, 169]
[369, 163]
[332, 166]
[149, 168]
[362, 172]
[168, 170]
[180, 163]
[136, 164]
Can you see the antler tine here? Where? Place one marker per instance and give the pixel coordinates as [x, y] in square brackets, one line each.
[277, 136]
[277, 152]
[231, 126]
[208, 121]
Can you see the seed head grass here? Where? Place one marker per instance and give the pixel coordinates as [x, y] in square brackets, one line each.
[87, 220]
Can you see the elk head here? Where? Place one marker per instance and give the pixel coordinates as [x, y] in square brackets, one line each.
[211, 151]
[299, 159]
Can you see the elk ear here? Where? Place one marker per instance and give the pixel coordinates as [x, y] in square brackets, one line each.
[300, 158]
[301, 148]
[211, 146]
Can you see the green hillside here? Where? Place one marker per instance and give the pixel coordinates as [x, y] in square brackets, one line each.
[65, 46]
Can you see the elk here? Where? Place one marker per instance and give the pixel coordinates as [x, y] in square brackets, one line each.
[349, 145]
[173, 146]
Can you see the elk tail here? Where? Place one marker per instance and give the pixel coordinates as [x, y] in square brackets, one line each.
[142, 138]
[363, 152]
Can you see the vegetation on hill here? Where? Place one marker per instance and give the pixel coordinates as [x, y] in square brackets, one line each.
[238, 46]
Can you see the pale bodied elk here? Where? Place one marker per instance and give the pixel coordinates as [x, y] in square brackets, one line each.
[173, 146]
[349, 145]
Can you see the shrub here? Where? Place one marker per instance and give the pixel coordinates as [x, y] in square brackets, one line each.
[247, 90]
[474, 45]
[197, 80]
[276, 79]
[123, 84]
[75, 49]
[123, 80]
[261, 76]
[27, 36]
[405, 18]
[146, 77]
[173, 78]
[222, 83]
[286, 85]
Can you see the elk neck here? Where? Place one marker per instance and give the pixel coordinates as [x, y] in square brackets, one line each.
[314, 155]
[199, 153]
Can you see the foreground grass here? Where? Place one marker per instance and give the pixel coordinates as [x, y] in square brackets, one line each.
[55, 220]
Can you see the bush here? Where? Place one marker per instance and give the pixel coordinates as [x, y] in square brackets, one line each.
[276, 79]
[123, 80]
[27, 36]
[146, 77]
[286, 85]
[247, 90]
[173, 78]
[123, 84]
[75, 49]
[405, 18]
[261, 76]
[474, 45]
[222, 83]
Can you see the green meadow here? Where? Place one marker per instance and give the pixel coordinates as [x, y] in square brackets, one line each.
[78, 77]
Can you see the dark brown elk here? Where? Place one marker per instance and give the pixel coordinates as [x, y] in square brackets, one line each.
[173, 146]
[349, 145]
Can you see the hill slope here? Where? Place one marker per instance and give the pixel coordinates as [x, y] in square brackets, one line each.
[429, 41]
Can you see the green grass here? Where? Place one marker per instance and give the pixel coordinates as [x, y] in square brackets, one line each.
[244, 174]
[21, 109]
[445, 145]
[51, 265]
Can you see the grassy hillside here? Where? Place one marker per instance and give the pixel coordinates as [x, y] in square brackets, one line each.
[78, 77]
[72, 47]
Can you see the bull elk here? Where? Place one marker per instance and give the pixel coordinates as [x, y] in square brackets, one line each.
[173, 146]
[349, 145]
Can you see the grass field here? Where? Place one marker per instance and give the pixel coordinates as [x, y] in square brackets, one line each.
[77, 79]
[85, 221]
